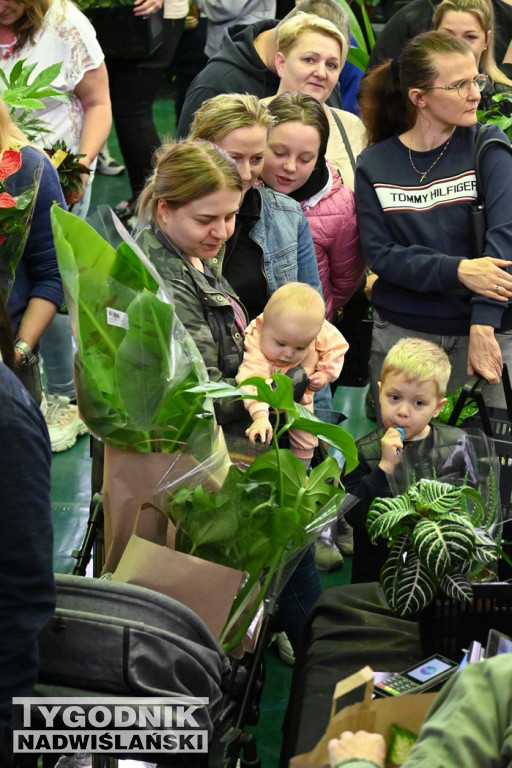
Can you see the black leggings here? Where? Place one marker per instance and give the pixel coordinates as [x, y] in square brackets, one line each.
[133, 88]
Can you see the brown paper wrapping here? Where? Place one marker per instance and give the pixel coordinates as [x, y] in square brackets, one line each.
[150, 560]
[374, 715]
[132, 478]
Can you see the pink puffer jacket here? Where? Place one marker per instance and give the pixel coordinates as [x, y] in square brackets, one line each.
[333, 225]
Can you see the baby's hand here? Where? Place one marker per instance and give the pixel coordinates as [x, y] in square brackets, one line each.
[317, 381]
[391, 447]
[260, 428]
[362, 745]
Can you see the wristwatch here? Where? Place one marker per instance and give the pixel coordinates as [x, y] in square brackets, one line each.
[27, 355]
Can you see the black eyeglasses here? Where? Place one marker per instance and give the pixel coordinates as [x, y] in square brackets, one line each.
[463, 87]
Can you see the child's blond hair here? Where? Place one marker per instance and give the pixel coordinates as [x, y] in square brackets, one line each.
[418, 360]
[296, 297]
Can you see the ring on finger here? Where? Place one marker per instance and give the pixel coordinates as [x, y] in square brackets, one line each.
[497, 288]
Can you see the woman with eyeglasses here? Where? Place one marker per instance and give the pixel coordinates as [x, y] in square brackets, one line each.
[414, 185]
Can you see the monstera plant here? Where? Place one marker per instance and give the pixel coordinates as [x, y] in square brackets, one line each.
[440, 536]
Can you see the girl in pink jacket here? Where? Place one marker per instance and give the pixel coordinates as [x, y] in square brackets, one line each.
[291, 331]
[295, 165]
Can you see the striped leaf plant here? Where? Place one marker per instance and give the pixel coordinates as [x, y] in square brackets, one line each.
[440, 535]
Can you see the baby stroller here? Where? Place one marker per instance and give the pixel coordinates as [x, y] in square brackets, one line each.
[119, 640]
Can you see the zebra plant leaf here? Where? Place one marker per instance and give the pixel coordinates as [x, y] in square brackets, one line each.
[387, 525]
[432, 496]
[457, 587]
[408, 584]
[444, 545]
[385, 514]
[486, 550]
[439, 533]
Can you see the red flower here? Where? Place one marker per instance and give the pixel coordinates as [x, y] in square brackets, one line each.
[7, 200]
[10, 162]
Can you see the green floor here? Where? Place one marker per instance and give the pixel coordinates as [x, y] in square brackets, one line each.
[71, 492]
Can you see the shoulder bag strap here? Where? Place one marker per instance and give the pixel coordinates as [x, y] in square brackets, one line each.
[344, 137]
[481, 144]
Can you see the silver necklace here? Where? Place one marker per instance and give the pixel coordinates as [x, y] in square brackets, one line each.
[423, 174]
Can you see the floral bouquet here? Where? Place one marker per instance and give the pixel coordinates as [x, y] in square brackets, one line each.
[23, 95]
[15, 216]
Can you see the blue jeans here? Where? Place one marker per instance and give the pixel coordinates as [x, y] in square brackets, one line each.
[297, 598]
[57, 353]
[385, 335]
[55, 345]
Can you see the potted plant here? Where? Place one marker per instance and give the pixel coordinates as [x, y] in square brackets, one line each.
[24, 96]
[440, 536]
[264, 516]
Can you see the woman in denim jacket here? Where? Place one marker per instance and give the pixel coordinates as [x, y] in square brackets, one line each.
[271, 244]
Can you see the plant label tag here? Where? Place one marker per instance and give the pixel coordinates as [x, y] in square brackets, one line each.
[115, 317]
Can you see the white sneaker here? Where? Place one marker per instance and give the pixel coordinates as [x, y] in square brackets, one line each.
[284, 648]
[327, 556]
[106, 164]
[63, 422]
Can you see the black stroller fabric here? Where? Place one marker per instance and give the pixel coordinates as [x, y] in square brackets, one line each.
[112, 638]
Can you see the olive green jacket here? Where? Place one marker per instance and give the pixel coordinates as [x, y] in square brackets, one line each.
[203, 304]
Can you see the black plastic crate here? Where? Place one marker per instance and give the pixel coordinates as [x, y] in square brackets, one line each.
[448, 626]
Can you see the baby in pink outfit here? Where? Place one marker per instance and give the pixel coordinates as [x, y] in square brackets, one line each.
[291, 331]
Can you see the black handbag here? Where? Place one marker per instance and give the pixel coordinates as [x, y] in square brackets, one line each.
[478, 221]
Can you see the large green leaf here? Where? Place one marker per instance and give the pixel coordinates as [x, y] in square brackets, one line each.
[444, 545]
[387, 513]
[136, 364]
[332, 434]
[280, 396]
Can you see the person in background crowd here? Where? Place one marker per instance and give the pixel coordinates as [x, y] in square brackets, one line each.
[43, 33]
[37, 291]
[473, 21]
[420, 113]
[133, 88]
[295, 164]
[245, 62]
[311, 53]
[417, 16]
[224, 14]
